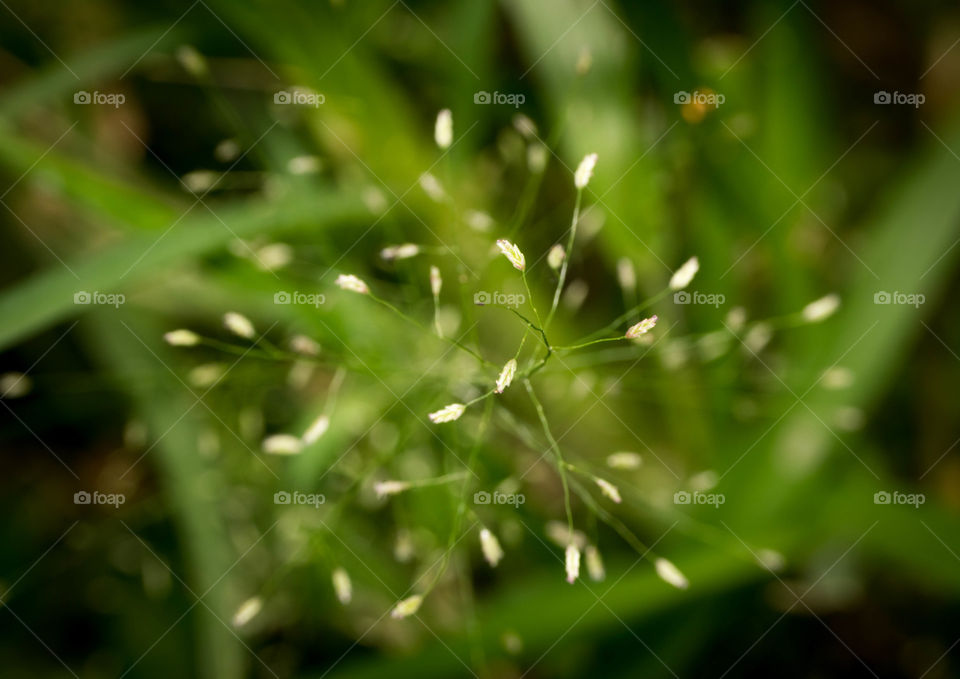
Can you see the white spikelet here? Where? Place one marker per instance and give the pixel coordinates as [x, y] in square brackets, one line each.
[584, 171]
[490, 547]
[821, 309]
[342, 586]
[317, 429]
[608, 489]
[282, 444]
[642, 327]
[443, 129]
[670, 574]
[448, 413]
[181, 338]
[506, 376]
[387, 488]
[512, 253]
[238, 324]
[407, 607]
[682, 276]
[352, 283]
[247, 611]
[572, 562]
[594, 563]
[436, 281]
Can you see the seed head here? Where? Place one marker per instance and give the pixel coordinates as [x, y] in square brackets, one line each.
[490, 547]
[572, 562]
[302, 344]
[584, 171]
[388, 488]
[181, 338]
[342, 585]
[821, 309]
[239, 325]
[556, 256]
[594, 563]
[407, 607]
[670, 574]
[432, 187]
[247, 611]
[317, 429]
[448, 413]
[512, 253]
[641, 328]
[282, 444]
[608, 489]
[682, 276]
[405, 251]
[352, 283]
[436, 281]
[443, 129]
[506, 376]
[624, 460]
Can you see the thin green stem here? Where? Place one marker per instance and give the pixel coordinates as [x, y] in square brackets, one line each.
[561, 465]
[566, 260]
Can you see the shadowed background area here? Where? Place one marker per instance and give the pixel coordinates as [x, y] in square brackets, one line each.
[163, 164]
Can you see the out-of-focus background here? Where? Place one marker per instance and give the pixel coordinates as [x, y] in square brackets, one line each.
[162, 164]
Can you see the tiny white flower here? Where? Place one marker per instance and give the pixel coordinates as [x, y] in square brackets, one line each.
[512, 253]
[594, 563]
[771, 559]
[387, 488]
[584, 171]
[478, 221]
[436, 281]
[626, 275]
[247, 611]
[821, 309]
[432, 187]
[736, 318]
[537, 157]
[448, 413]
[506, 376]
[610, 490]
[555, 257]
[682, 276]
[670, 574]
[758, 337]
[352, 283]
[524, 125]
[405, 251]
[572, 562]
[317, 429]
[642, 327]
[181, 338]
[239, 325]
[443, 129]
[837, 377]
[342, 585]
[302, 344]
[407, 607]
[624, 460]
[15, 385]
[490, 547]
[282, 444]
[274, 256]
[300, 165]
[560, 534]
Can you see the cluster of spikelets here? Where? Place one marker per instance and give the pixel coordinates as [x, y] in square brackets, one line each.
[575, 543]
